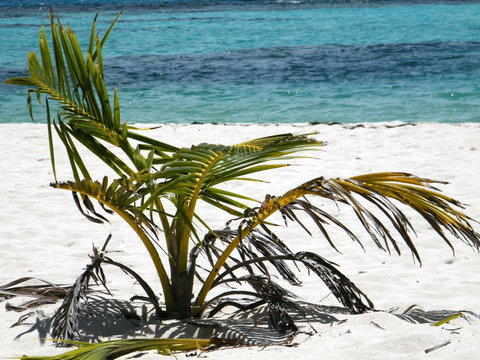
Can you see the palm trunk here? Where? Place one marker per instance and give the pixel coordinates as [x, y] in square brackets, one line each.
[182, 296]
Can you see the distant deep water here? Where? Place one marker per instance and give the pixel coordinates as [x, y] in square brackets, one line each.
[268, 61]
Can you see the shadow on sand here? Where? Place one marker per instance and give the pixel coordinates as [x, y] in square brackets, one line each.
[105, 318]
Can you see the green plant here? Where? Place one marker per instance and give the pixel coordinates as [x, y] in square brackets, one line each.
[158, 187]
[114, 349]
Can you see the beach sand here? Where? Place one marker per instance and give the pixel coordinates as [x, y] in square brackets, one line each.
[43, 235]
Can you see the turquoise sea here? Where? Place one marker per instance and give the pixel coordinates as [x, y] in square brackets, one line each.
[268, 61]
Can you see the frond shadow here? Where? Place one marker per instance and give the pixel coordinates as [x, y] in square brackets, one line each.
[104, 318]
[41, 326]
[100, 318]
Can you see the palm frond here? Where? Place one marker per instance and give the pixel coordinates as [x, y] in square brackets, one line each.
[280, 301]
[192, 175]
[259, 243]
[121, 200]
[54, 81]
[262, 252]
[208, 165]
[382, 191]
[76, 83]
[43, 291]
[277, 142]
[114, 195]
[266, 292]
[65, 320]
[379, 190]
[341, 287]
[114, 349]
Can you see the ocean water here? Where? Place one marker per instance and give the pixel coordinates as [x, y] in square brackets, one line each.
[267, 61]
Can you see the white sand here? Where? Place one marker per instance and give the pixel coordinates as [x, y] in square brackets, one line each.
[43, 235]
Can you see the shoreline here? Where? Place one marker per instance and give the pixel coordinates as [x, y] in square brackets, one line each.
[395, 123]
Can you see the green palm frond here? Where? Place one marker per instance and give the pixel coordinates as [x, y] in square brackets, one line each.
[278, 142]
[114, 349]
[73, 80]
[417, 193]
[198, 170]
[209, 165]
[120, 200]
[114, 195]
[76, 83]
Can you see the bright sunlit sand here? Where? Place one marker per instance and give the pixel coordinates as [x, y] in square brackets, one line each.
[44, 236]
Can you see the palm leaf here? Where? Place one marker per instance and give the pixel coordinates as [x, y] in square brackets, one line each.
[114, 349]
[47, 290]
[258, 244]
[65, 320]
[121, 201]
[377, 189]
[210, 165]
[380, 190]
[279, 300]
[260, 252]
[192, 173]
[417, 193]
[77, 84]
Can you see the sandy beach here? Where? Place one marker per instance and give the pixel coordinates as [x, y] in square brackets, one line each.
[42, 235]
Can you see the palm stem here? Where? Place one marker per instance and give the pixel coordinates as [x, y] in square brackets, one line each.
[183, 253]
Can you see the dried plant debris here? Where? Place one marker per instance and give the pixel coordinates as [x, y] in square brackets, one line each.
[45, 291]
[415, 314]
